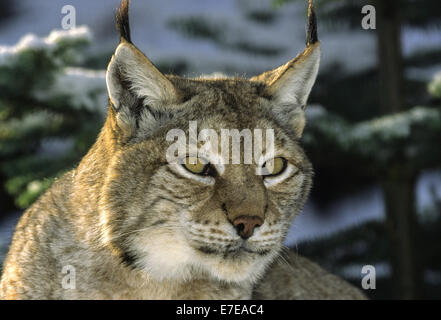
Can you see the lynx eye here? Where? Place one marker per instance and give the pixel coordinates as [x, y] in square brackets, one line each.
[196, 166]
[274, 167]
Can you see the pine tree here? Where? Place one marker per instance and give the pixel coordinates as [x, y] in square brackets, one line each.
[49, 114]
[402, 141]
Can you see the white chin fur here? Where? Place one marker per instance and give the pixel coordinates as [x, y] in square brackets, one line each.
[169, 257]
[237, 270]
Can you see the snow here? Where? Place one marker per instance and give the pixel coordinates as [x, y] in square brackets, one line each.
[314, 222]
[32, 42]
[78, 33]
[151, 32]
[418, 39]
[394, 126]
[425, 74]
[314, 111]
[383, 129]
[84, 88]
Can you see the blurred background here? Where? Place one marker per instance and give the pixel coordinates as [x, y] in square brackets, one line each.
[374, 116]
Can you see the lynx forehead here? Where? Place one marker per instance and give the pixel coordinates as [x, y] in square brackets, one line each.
[133, 225]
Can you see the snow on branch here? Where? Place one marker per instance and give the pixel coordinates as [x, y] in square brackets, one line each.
[82, 88]
[55, 40]
[37, 69]
[405, 134]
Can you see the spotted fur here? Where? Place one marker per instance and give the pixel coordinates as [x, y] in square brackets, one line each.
[135, 227]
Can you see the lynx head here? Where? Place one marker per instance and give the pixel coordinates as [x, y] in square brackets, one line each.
[203, 218]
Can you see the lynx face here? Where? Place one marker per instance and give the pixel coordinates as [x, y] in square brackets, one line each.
[181, 221]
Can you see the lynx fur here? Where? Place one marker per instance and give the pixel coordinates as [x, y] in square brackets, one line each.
[126, 224]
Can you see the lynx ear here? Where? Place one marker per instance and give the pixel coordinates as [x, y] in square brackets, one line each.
[138, 91]
[131, 76]
[290, 85]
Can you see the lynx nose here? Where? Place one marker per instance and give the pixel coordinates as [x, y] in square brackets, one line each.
[245, 225]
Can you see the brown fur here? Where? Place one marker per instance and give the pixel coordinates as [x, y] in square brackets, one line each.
[134, 227]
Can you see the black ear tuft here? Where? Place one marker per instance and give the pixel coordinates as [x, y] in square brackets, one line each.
[122, 21]
[311, 32]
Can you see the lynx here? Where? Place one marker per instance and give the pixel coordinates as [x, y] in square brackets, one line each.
[131, 225]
